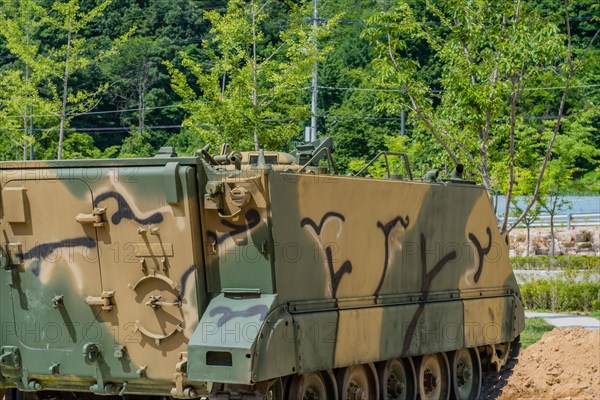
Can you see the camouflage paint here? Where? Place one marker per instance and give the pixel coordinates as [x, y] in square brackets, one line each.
[191, 275]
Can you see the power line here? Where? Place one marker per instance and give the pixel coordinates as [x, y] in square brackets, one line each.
[102, 112]
[129, 110]
[443, 91]
[112, 129]
[101, 130]
[176, 105]
[357, 89]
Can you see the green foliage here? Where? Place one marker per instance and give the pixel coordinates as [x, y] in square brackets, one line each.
[362, 91]
[78, 145]
[574, 149]
[133, 71]
[531, 216]
[249, 82]
[563, 294]
[21, 87]
[136, 145]
[488, 52]
[186, 143]
[574, 263]
[396, 163]
[52, 68]
[588, 184]
[534, 330]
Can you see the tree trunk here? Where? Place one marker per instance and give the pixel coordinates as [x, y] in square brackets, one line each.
[142, 80]
[552, 233]
[63, 110]
[24, 133]
[527, 243]
[511, 164]
[485, 174]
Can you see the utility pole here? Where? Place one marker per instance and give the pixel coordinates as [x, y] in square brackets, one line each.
[25, 111]
[26, 108]
[31, 153]
[313, 118]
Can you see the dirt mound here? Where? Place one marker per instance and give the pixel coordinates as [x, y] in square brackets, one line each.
[564, 364]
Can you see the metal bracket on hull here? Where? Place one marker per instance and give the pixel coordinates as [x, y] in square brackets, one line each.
[11, 367]
[92, 355]
[104, 300]
[181, 391]
[94, 218]
[10, 255]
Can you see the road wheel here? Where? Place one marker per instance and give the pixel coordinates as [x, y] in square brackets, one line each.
[313, 386]
[397, 380]
[358, 382]
[433, 377]
[275, 391]
[466, 374]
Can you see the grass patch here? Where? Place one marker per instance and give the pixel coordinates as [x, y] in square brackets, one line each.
[534, 330]
[596, 314]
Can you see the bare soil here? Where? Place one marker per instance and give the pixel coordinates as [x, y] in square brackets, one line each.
[564, 364]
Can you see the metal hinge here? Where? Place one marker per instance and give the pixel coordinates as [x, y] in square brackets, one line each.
[104, 300]
[94, 218]
[10, 255]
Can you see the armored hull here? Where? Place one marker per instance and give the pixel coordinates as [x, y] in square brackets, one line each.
[255, 277]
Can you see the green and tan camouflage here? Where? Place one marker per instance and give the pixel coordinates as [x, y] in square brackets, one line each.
[257, 275]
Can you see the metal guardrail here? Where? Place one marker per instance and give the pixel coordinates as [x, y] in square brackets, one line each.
[569, 220]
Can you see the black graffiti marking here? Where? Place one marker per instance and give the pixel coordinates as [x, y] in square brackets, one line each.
[184, 279]
[41, 251]
[229, 314]
[481, 252]
[252, 220]
[124, 210]
[387, 229]
[427, 278]
[336, 276]
[318, 228]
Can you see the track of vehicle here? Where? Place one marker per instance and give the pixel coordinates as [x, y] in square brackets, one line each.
[449, 375]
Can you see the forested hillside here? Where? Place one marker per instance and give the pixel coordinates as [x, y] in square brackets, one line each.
[510, 89]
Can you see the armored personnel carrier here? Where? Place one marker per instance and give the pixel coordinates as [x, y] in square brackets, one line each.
[257, 275]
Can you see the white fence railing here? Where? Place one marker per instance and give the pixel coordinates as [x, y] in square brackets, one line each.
[569, 220]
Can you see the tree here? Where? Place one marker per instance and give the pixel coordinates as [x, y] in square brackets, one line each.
[133, 70]
[74, 56]
[528, 220]
[553, 204]
[20, 85]
[574, 144]
[18, 97]
[247, 94]
[69, 21]
[490, 53]
[79, 145]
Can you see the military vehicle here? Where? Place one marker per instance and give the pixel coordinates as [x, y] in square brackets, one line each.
[255, 275]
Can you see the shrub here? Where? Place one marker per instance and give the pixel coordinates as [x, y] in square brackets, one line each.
[586, 236]
[559, 262]
[561, 295]
[520, 238]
